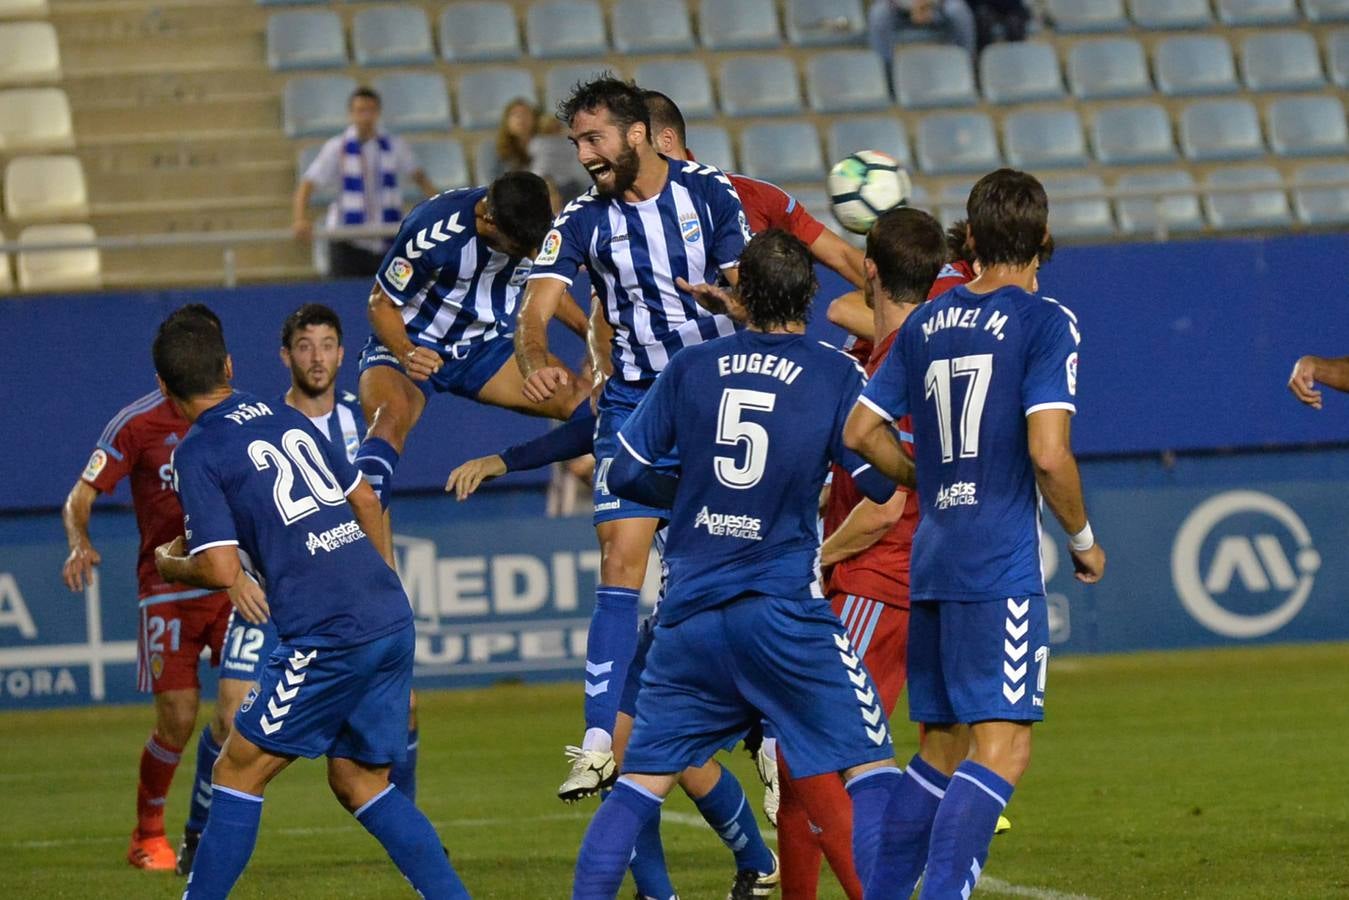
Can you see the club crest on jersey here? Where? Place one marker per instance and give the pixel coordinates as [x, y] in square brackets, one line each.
[399, 273]
[98, 461]
[744, 226]
[521, 273]
[156, 665]
[248, 701]
[552, 246]
[690, 228]
[1071, 368]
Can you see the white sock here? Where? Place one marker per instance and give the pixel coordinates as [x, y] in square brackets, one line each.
[597, 739]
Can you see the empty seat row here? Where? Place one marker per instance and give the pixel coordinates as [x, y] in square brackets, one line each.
[29, 53]
[1111, 15]
[45, 188]
[22, 9]
[35, 119]
[49, 270]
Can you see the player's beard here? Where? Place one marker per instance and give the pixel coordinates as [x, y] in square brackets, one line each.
[314, 381]
[622, 171]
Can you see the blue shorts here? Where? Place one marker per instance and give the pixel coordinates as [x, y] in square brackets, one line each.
[349, 702]
[468, 365]
[713, 675]
[616, 403]
[247, 647]
[978, 662]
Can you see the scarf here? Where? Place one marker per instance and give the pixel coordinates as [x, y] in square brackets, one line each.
[352, 199]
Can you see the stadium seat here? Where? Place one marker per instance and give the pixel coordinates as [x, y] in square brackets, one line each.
[481, 30]
[58, 269]
[414, 101]
[816, 202]
[951, 200]
[44, 188]
[712, 145]
[316, 105]
[1267, 208]
[686, 82]
[28, 53]
[781, 151]
[815, 22]
[1307, 126]
[13, 9]
[444, 162]
[1083, 218]
[1108, 68]
[484, 93]
[391, 36]
[1256, 12]
[1170, 14]
[35, 118]
[1220, 130]
[846, 81]
[1138, 133]
[1020, 72]
[1044, 138]
[559, 80]
[1281, 61]
[1337, 57]
[305, 39]
[652, 26]
[485, 160]
[1194, 64]
[1086, 15]
[322, 195]
[557, 28]
[1326, 10]
[1143, 215]
[930, 75]
[952, 143]
[1322, 205]
[884, 133]
[759, 86]
[738, 24]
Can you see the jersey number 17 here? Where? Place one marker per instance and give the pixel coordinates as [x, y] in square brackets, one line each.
[978, 370]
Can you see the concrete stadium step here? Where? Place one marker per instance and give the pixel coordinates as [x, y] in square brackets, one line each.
[204, 265]
[119, 222]
[162, 120]
[81, 56]
[186, 154]
[268, 179]
[142, 89]
[117, 19]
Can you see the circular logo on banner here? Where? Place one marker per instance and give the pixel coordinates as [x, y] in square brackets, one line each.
[1252, 557]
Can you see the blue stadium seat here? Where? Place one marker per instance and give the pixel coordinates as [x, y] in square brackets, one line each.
[485, 160]
[1107, 68]
[1257, 12]
[712, 145]
[1142, 215]
[1337, 57]
[1138, 133]
[685, 81]
[316, 105]
[323, 194]
[559, 81]
[444, 163]
[883, 133]
[1326, 10]
[1084, 218]
[1323, 205]
[558, 28]
[1220, 130]
[816, 22]
[1194, 64]
[1044, 138]
[1308, 126]
[391, 36]
[951, 201]
[652, 26]
[481, 30]
[1086, 15]
[1170, 14]
[930, 75]
[305, 39]
[1020, 72]
[759, 86]
[739, 24]
[484, 93]
[953, 143]
[1267, 208]
[1281, 61]
[414, 101]
[846, 81]
[781, 151]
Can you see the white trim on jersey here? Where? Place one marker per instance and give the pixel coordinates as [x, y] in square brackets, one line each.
[1055, 405]
[871, 405]
[635, 455]
[230, 543]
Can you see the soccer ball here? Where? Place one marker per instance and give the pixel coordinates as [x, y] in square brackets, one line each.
[864, 185]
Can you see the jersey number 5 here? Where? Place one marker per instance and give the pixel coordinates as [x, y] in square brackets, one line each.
[937, 386]
[733, 432]
[301, 452]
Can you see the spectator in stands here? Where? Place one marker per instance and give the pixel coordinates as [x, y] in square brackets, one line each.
[519, 124]
[553, 158]
[953, 19]
[1000, 20]
[366, 166]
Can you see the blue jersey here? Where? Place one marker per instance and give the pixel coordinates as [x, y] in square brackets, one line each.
[969, 368]
[259, 476]
[452, 287]
[755, 420]
[344, 427]
[692, 229]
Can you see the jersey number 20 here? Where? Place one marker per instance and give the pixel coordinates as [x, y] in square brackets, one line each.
[978, 369]
[733, 432]
[301, 452]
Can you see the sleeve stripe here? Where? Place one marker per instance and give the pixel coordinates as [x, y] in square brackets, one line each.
[110, 450]
[393, 298]
[1043, 406]
[875, 408]
[354, 484]
[127, 413]
[635, 455]
[562, 278]
[229, 543]
[730, 265]
[860, 469]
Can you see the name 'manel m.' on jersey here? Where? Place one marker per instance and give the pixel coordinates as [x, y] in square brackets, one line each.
[969, 368]
[692, 229]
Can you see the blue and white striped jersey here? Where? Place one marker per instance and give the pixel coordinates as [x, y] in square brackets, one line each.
[453, 288]
[692, 229]
[344, 427]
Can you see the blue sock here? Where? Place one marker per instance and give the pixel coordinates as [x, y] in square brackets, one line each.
[412, 844]
[908, 825]
[962, 830]
[607, 847]
[226, 844]
[403, 775]
[208, 751]
[377, 459]
[872, 793]
[648, 863]
[731, 816]
[609, 647]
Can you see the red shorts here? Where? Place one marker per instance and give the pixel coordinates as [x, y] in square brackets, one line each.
[880, 635]
[173, 635]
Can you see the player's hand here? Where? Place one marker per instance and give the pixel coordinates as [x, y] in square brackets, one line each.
[714, 299]
[544, 383]
[466, 479]
[249, 599]
[174, 549]
[1303, 382]
[421, 363]
[303, 229]
[1089, 564]
[78, 571]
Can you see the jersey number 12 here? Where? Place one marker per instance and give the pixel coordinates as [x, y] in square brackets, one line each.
[978, 369]
[300, 451]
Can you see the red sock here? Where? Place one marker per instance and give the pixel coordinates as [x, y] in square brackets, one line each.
[159, 761]
[797, 850]
[828, 810]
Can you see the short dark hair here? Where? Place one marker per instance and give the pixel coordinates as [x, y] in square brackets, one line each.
[521, 207]
[665, 114]
[189, 354]
[958, 242]
[307, 315]
[909, 249]
[1009, 216]
[367, 93]
[777, 279]
[202, 310]
[624, 100]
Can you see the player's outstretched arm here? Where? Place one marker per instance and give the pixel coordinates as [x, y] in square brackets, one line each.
[369, 515]
[839, 255]
[216, 568]
[634, 480]
[714, 299]
[1312, 369]
[386, 322]
[470, 476]
[872, 437]
[78, 570]
[538, 306]
[850, 313]
[1048, 436]
[866, 524]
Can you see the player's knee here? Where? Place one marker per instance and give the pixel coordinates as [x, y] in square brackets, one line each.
[354, 785]
[1006, 752]
[623, 561]
[175, 722]
[222, 723]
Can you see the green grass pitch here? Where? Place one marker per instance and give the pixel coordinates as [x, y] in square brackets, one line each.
[1195, 774]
